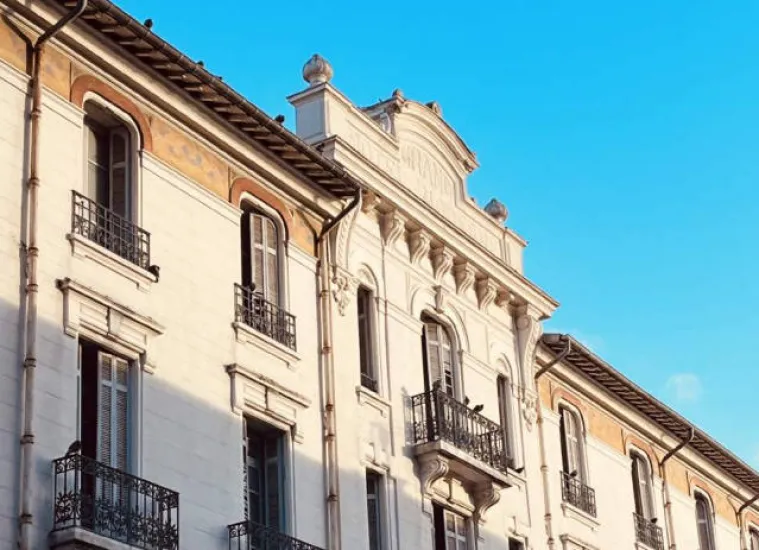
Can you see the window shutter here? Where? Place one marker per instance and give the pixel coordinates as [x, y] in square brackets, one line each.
[119, 173]
[447, 359]
[433, 354]
[754, 540]
[246, 228]
[571, 443]
[637, 486]
[503, 409]
[272, 263]
[703, 520]
[113, 411]
[257, 251]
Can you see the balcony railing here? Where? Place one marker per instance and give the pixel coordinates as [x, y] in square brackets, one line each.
[104, 227]
[267, 318]
[436, 416]
[579, 495]
[111, 503]
[648, 533]
[248, 535]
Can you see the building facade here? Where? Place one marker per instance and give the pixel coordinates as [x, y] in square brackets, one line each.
[216, 333]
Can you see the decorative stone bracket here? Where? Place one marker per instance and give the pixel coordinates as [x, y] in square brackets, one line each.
[419, 245]
[442, 261]
[345, 287]
[103, 320]
[392, 227]
[464, 274]
[260, 396]
[529, 408]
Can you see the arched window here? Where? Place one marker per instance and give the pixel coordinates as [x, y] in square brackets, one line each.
[642, 488]
[754, 536]
[438, 357]
[260, 255]
[572, 451]
[704, 523]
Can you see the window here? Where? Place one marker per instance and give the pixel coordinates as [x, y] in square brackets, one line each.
[109, 161]
[438, 357]
[105, 392]
[374, 509]
[704, 523]
[260, 255]
[754, 536]
[504, 405]
[264, 483]
[366, 339]
[572, 444]
[451, 530]
[515, 544]
[642, 487]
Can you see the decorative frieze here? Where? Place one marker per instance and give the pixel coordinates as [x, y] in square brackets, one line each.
[464, 274]
[419, 245]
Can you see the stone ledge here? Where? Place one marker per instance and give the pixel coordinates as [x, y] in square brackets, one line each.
[76, 538]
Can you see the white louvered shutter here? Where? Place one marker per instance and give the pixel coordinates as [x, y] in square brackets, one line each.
[439, 356]
[572, 443]
[113, 407]
[119, 177]
[264, 243]
[704, 524]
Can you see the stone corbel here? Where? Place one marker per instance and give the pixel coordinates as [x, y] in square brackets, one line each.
[484, 496]
[431, 468]
[503, 298]
[369, 201]
[419, 245]
[529, 330]
[442, 261]
[486, 292]
[464, 274]
[391, 227]
[344, 288]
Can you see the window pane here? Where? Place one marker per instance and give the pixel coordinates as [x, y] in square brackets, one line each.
[373, 510]
[364, 301]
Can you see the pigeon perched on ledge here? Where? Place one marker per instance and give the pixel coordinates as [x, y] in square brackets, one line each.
[75, 448]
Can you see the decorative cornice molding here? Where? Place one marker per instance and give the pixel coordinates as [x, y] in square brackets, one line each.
[442, 261]
[464, 274]
[392, 227]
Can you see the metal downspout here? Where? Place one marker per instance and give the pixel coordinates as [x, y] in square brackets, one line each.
[328, 368]
[542, 445]
[742, 523]
[665, 488]
[32, 286]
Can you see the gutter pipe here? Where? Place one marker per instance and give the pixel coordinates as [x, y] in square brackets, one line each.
[541, 441]
[669, 522]
[328, 369]
[32, 286]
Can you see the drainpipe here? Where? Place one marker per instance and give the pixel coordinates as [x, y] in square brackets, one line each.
[328, 368]
[541, 441]
[741, 521]
[665, 487]
[32, 286]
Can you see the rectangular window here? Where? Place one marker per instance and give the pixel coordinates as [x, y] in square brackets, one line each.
[109, 163]
[438, 357]
[374, 509]
[365, 339]
[571, 445]
[260, 251]
[451, 530]
[642, 487]
[515, 544]
[264, 483]
[105, 406]
[504, 406]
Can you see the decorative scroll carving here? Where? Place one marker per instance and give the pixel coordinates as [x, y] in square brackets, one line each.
[503, 298]
[486, 292]
[345, 286]
[464, 274]
[419, 245]
[391, 227]
[529, 330]
[484, 496]
[432, 468]
[341, 238]
[529, 408]
[369, 201]
[442, 261]
[441, 298]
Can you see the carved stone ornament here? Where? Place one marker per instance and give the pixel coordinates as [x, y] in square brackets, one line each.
[442, 261]
[503, 298]
[529, 409]
[497, 210]
[484, 496]
[529, 330]
[344, 288]
[317, 70]
[464, 274]
[340, 238]
[486, 292]
[419, 245]
[391, 227]
[441, 298]
[369, 200]
[432, 468]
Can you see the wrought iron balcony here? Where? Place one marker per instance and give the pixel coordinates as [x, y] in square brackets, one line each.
[104, 227]
[267, 318]
[648, 533]
[248, 535]
[579, 495]
[92, 496]
[436, 416]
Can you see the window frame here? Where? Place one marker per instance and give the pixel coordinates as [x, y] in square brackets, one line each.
[702, 501]
[380, 508]
[252, 204]
[369, 358]
[753, 537]
[447, 329]
[506, 415]
[134, 148]
[440, 528]
[645, 505]
[582, 462]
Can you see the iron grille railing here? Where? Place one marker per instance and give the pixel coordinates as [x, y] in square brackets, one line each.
[648, 533]
[257, 312]
[114, 504]
[249, 535]
[104, 227]
[438, 416]
[579, 495]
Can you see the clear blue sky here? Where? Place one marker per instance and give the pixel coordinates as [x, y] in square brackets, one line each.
[623, 137]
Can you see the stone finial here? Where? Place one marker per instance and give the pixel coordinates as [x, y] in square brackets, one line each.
[317, 70]
[497, 210]
[434, 106]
